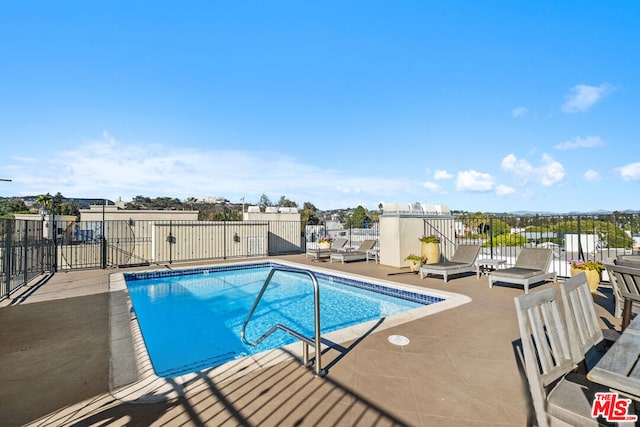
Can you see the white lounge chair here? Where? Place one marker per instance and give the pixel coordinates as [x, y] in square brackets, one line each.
[532, 266]
[462, 261]
[359, 254]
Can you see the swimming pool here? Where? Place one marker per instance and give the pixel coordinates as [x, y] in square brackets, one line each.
[191, 319]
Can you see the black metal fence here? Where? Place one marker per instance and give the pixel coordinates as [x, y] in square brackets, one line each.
[101, 244]
[28, 248]
[571, 237]
[24, 254]
[354, 236]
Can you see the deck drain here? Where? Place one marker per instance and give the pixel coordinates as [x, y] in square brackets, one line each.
[398, 340]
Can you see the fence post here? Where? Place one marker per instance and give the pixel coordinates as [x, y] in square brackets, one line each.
[25, 259]
[491, 236]
[103, 252]
[268, 239]
[170, 240]
[103, 245]
[580, 252]
[54, 229]
[7, 257]
[103, 241]
[42, 251]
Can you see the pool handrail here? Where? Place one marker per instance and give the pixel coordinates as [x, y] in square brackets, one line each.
[316, 341]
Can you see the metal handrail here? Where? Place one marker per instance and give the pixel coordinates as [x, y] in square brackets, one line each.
[434, 231]
[449, 245]
[317, 371]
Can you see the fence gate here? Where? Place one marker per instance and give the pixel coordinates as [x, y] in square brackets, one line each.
[24, 254]
[97, 244]
[117, 243]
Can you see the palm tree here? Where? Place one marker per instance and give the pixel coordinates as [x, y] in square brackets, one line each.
[44, 201]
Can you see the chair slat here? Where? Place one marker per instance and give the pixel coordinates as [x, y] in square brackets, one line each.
[548, 358]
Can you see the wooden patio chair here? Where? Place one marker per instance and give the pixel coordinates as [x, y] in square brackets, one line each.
[627, 286]
[625, 261]
[559, 395]
[586, 337]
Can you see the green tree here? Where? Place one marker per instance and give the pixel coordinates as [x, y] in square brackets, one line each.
[482, 225]
[191, 201]
[286, 203]
[10, 207]
[358, 218]
[227, 215]
[264, 202]
[164, 203]
[507, 240]
[308, 214]
[499, 227]
[56, 203]
[609, 233]
[138, 203]
[44, 201]
[67, 208]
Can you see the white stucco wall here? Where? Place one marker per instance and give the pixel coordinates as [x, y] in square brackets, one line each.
[400, 234]
[398, 238]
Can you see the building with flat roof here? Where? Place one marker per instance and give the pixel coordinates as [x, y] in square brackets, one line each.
[111, 212]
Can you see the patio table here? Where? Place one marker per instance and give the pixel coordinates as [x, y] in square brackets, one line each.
[484, 264]
[319, 254]
[618, 369]
[373, 254]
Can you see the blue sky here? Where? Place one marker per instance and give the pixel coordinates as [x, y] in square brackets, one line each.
[494, 106]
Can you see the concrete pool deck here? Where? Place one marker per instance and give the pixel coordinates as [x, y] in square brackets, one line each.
[461, 366]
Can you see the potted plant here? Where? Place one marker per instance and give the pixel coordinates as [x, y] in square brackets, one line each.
[430, 248]
[593, 270]
[429, 239]
[415, 261]
[324, 242]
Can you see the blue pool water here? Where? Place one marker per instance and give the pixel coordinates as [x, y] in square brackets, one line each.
[191, 319]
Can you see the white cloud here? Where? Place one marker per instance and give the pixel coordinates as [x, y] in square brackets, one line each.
[475, 181]
[442, 174]
[577, 142]
[551, 172]
[517, 166]
[591, 176]
[519, 112]
[583, 97]
[630, 172]
[432, 186]
[503, 190]
[112, 169]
